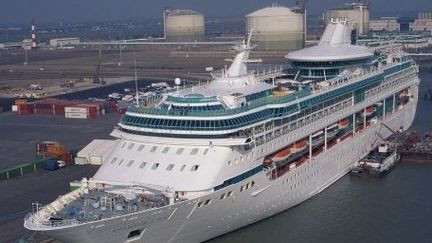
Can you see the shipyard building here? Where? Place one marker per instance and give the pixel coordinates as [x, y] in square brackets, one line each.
[390, 24]
[356, 14]
[423, 22]
[63, 42]
[183, 26]
[277, 28]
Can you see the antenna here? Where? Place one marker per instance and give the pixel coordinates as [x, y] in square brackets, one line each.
[249, 38]
[136, 85]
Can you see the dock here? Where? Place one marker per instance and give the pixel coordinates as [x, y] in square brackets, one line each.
[417, 147]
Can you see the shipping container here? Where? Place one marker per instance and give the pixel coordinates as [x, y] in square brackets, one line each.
[20, 101]
[77, 115]
[96, 152]
[50, 164]
[14, 108]
[56, 150]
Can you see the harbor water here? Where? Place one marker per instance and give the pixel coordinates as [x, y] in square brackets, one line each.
[394, 208]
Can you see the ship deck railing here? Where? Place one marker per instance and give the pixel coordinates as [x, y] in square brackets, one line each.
[83, 209]
[249, 106]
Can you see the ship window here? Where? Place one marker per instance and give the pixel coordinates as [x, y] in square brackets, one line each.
[170, 167]
[142, 165]
[113, 160]
[183, 167]
[165, 150]
[242, 188]
[155, 166]
[205, 151]
[194, 168]
[180, 151]
[229, 162]
[153, 149]
[130, 163]
[207, 202]
[131, 146]
[229, 194]
[222, 196]
[141, 147]
[194, 151]
[199, 204]
[121, 161]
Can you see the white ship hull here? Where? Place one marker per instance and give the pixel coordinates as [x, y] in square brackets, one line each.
[184, 222]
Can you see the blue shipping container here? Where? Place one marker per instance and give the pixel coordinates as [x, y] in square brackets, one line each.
[50, 164]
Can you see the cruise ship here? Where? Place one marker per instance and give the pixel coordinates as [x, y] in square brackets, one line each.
[204, 161]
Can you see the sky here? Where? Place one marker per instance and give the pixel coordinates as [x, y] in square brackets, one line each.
[54, 11]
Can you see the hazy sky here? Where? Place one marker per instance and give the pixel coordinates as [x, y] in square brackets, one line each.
[51, 11]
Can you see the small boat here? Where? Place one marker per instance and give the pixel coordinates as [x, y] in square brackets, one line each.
[282, 154]
[279, 157]
[299, 146]
[369, 111]
[318, 134]
[343, 123]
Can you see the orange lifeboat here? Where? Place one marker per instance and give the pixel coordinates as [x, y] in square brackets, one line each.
[299, 146]
[369, 111]
[282, 154]
[279, 156]
[343, 123]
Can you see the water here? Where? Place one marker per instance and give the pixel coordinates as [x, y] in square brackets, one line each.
[395, 208]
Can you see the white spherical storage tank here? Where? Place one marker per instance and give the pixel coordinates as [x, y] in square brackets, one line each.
[184, 25]
[277, 28]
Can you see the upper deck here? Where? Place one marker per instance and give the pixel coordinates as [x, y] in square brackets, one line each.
[236, 100]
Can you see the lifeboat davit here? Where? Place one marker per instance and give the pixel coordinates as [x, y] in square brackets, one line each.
[404, 93]
[343, 123]
[369, 111]
[267, 161]
[299, 146]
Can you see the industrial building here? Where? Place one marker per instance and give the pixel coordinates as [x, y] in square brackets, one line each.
[63, 42]
[356, 14]
[183, 26]
[425, 14]
[384, 24]
[423, 23]
[277, 28]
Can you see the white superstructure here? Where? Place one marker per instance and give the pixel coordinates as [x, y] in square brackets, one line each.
[209, 160]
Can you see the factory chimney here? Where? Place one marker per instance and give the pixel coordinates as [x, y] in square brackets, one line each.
[34, 45]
